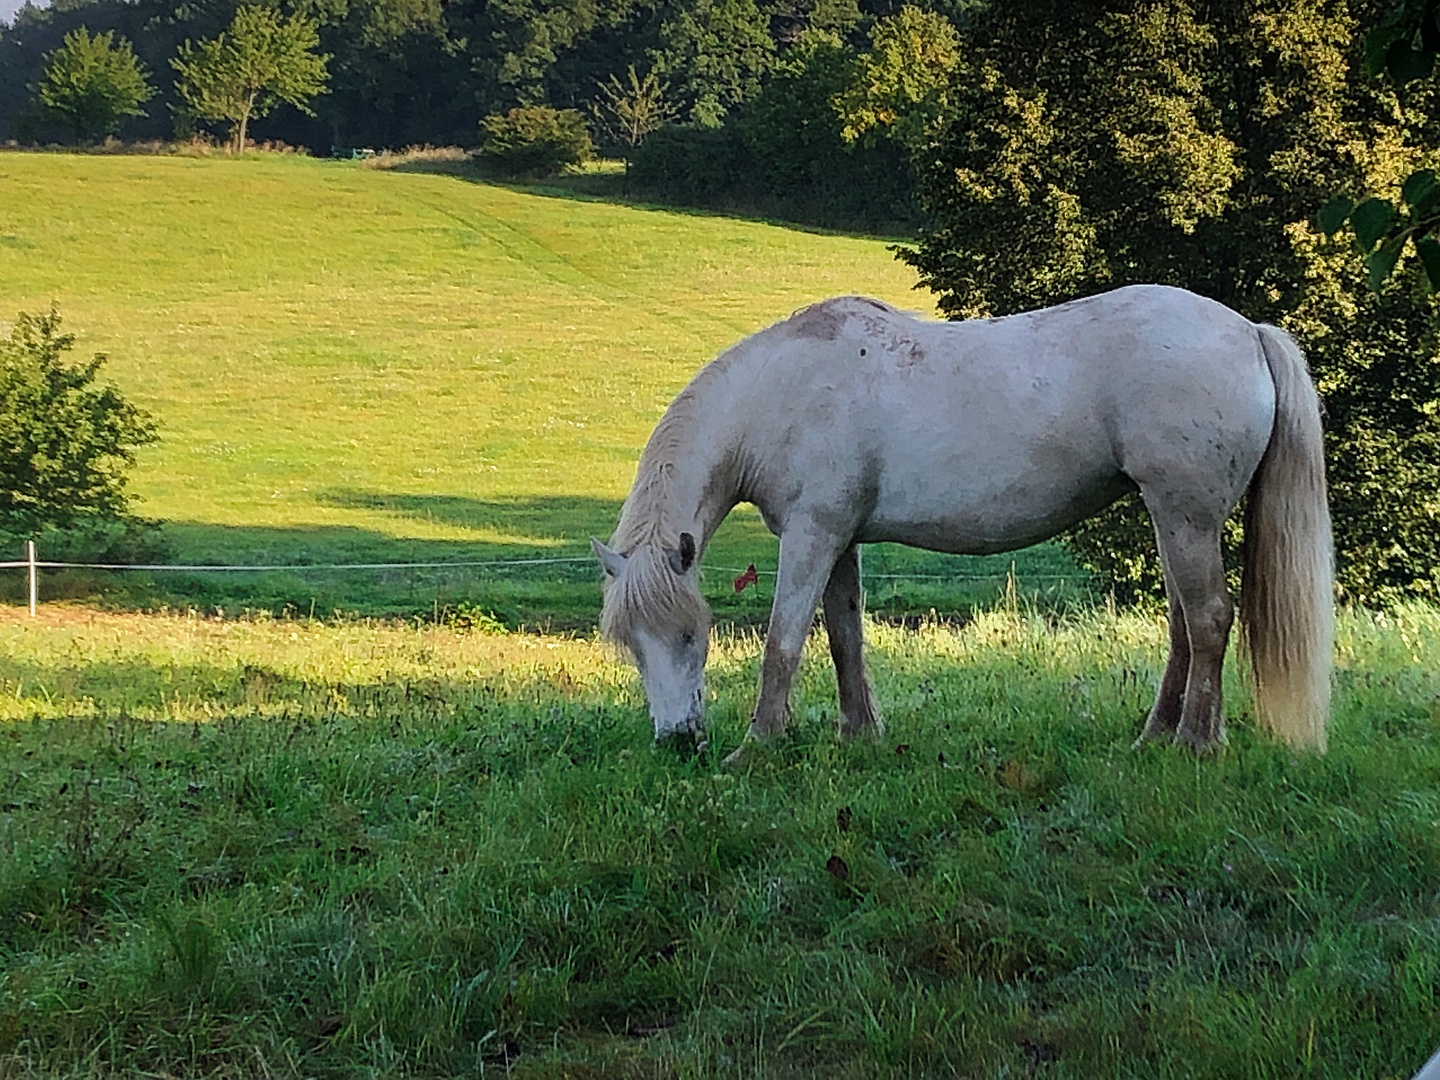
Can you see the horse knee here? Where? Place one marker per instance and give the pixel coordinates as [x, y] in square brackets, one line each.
[1212, 621]
[1208, 625]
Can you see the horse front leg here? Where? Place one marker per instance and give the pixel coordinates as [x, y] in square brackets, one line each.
[807, 555]
[843, 606]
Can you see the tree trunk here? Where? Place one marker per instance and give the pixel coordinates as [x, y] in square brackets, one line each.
[244, 122]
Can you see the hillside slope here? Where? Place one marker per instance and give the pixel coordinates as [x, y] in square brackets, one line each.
[361, 365]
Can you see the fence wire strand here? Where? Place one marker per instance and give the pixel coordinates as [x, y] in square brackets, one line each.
[461, 564]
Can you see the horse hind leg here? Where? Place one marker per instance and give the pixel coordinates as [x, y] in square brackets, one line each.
[1190, 553]
[843, 623]
[1164, 717]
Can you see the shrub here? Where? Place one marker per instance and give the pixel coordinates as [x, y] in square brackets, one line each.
[693, 165]
[535, 141]
[65, 444]
[793, 132]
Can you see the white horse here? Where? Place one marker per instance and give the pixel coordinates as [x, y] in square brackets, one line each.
[851, 422]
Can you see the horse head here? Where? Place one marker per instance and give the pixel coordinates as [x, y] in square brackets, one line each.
[654, 608]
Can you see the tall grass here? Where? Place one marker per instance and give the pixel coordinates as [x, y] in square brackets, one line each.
[282, 848]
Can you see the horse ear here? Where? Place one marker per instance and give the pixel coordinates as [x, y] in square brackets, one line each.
[683, 559]
[611, 560]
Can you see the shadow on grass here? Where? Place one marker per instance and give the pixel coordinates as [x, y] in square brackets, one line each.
[313, 575]
[243, 692]
[537, 570]
[545, 522]
[615, 188]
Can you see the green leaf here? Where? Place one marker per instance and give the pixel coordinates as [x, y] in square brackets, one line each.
[1371, 220]
[1333, 215]
[1429, 28]
[1418, 185]
[1429, 203]
[1428, 248]
[1383, 259]
[1405, 63]
[1377, 44]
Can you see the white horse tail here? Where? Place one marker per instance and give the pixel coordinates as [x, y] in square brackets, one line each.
[1287, 599]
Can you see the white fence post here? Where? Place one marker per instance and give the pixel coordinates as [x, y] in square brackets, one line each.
[34, 575]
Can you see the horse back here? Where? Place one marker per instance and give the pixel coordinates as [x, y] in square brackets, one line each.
[991, 434]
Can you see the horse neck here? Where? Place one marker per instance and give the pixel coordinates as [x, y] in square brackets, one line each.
[686, 481]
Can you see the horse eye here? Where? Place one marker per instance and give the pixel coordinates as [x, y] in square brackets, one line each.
[687, 638]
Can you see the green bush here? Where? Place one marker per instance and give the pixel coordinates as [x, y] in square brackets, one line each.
[92, 83]
[692, 164]
[65, 444]
[535, 141]
[794, 134]
[782, 152]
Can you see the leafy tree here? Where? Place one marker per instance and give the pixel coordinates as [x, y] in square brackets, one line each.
[394, 75]
[554, 52]
[1403, 47]
[790, 126]
[535, 140]
[715, 52]
[65, 443]
[798, 157]
[93, 82]
[632, 109]
[251, 67]
[792, 20]
[901, 85]
[404, 72]
[1096, 145]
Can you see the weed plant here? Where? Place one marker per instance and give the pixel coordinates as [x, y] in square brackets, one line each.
[284, 848]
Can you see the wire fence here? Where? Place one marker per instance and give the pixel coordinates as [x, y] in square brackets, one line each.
[34, 565]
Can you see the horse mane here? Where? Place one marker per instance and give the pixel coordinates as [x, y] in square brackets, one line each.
[648, 587]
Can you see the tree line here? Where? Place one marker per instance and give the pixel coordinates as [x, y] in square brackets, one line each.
[751, 94]
[93, 83]
[407, 72]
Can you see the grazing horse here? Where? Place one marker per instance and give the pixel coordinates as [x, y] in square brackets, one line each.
[851, 422]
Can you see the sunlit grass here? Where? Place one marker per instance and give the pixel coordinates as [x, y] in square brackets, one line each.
[287, 848]
[361, 365]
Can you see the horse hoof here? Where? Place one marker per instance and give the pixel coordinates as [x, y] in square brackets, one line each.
[684, 744]
[738, 755]
[1201, 745]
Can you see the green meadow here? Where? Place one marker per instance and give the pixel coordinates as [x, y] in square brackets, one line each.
[363, 365]
[328, 824]
[279, 848]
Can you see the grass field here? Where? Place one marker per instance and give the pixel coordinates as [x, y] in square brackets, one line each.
[283, 846]
[284, 849]
[355, 365]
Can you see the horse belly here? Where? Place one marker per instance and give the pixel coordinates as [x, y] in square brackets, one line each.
[977, 498]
